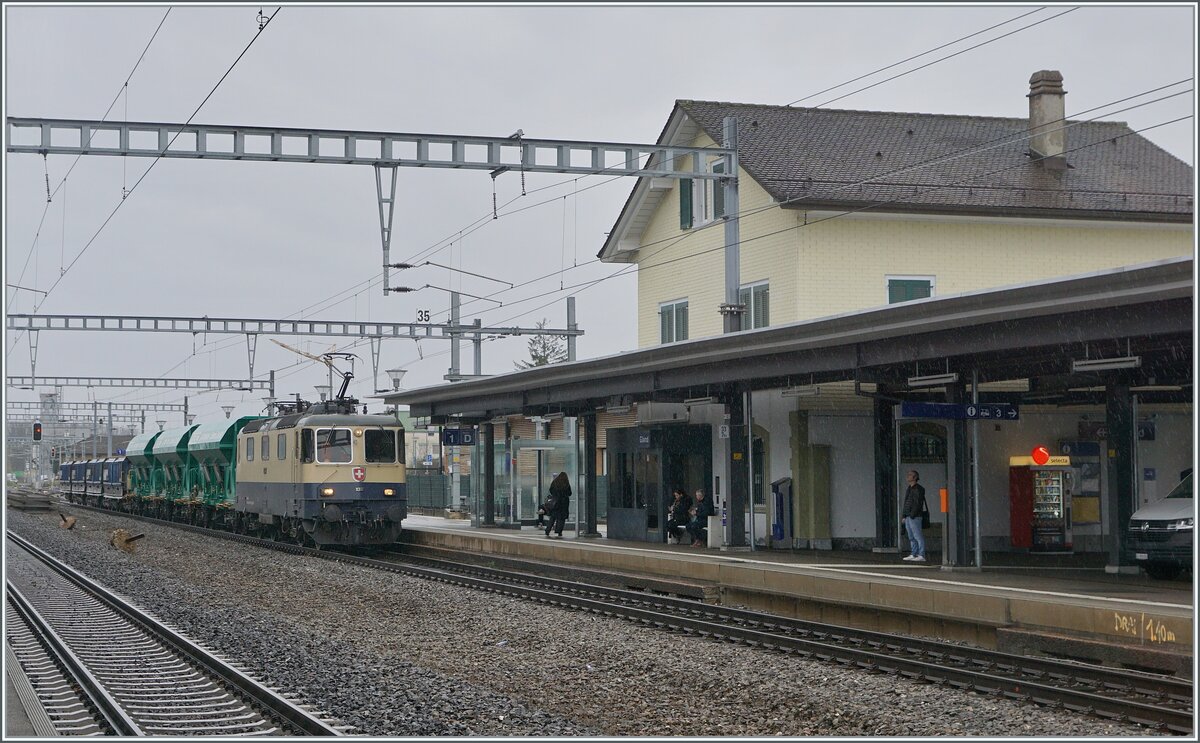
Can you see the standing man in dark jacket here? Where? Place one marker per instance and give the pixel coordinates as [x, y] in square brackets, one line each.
[914, 504]
[560, 504]
[698, 526]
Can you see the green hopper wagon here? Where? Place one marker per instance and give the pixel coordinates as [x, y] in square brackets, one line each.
[211, 451]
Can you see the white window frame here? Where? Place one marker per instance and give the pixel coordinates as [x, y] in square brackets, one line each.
[889, 278]
[672, 304]
[703, 198]
[750, 305]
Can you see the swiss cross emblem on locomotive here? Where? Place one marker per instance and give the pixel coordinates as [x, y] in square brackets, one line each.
[360, 474]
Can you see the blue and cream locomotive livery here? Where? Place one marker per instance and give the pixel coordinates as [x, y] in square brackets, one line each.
[322, 478]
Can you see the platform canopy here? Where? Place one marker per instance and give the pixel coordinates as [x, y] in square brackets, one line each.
[1036, 331]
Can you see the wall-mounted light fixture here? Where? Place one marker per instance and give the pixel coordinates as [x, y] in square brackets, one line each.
[805, 390]
[1091, 365]
[935, 380]
[701, 401]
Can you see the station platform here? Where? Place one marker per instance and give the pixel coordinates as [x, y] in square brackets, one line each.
[1061, 605]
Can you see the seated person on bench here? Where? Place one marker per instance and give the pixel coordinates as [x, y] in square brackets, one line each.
[677, 516]
[698, 526]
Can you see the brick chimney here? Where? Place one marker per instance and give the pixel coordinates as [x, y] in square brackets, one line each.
[1047, 112]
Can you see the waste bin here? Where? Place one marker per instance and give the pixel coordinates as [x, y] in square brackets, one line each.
[781, 525]
[716, 534]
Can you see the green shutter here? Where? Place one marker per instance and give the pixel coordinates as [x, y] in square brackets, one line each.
[685, 203]
[762, 305]
[903, 290]
[665, 315]
[681, 321]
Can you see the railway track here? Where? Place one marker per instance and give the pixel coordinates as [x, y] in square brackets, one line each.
[104, 667]
[1161, 702]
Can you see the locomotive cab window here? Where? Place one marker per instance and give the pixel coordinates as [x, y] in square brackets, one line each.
[381, 445]
[281, 447]
[333, 445]
[266, 448]
[250, 449]
[306, 446]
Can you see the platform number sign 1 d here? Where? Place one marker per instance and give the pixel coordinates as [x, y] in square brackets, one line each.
[458, 437]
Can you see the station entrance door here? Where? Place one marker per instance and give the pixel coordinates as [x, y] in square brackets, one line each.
[644, 465]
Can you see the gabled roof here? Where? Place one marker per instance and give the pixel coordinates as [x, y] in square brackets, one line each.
[810, 158]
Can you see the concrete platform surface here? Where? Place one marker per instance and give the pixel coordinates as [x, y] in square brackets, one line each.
[1067, 596]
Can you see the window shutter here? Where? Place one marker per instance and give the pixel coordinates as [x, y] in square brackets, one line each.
[762, 305]
[681, 321]
[664, 315]
[744, 297]
[685, 203]
[902, 290]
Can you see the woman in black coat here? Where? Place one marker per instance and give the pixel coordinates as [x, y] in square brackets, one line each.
[560, 504]
[677, 515]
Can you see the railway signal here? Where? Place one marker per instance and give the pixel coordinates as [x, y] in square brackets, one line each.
[37, 431]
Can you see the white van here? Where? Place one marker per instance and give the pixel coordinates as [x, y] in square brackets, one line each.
[1160, 534]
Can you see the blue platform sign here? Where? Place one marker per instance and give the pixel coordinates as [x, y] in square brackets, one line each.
[458, 437]
[998, 411]
[938, 410]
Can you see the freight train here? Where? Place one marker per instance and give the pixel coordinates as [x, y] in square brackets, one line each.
[314, 474]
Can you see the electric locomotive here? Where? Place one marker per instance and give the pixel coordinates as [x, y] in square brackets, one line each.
[322, 475]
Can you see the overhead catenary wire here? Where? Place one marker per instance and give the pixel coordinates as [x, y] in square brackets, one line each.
[927, 163]
[494, 213]
[915, 56]
[948, 56]
[670, 242]
[495, 210]
[158, 159]
[575, 181]
[49, 194]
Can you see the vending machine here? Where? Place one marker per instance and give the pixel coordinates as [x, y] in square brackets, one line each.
[1040, 503]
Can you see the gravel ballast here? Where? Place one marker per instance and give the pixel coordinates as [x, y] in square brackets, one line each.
[400, 656]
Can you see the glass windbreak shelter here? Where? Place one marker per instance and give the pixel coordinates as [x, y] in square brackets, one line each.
[524, 469]
[644, 465]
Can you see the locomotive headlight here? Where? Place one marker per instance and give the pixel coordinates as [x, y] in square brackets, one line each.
[326, 491]
[389, 491]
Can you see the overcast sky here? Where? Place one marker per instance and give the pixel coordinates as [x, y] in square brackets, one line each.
[271, 240]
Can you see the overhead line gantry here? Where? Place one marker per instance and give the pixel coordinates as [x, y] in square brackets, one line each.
[244, 385]
[386, 152]
[375, 332]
